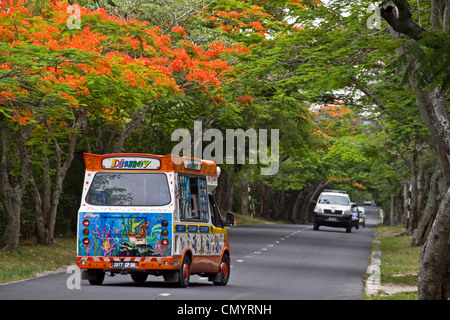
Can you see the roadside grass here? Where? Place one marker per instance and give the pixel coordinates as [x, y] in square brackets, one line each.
[399, 265]
[241, 220]
[30, 259]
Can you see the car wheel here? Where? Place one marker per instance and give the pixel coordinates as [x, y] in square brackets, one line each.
[316, 226]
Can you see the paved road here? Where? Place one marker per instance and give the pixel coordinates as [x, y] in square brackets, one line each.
[269, 262]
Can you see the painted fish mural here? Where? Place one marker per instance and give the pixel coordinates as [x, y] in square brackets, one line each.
[123, 235]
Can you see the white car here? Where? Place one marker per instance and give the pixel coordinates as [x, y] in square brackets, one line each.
[362, 216]
[356, 214]
[333, 209]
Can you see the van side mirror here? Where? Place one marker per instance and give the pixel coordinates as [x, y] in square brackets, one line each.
[313, 201]
[229, 222]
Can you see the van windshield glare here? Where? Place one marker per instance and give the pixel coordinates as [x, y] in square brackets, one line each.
[129, 189]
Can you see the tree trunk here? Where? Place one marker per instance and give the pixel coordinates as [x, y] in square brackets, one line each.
[391, 214]
[420, 236]
[230, 192]
[264, 209]
[136, 120]
[46, 200]
[244, 198]
[435, 262]
[418, 194]
[294, 210]
[414, 214]
[244, 194]
[11, 191]
[406, 206]
[302, 210]
[434, 276]
[279, 209]
[218, 191]
[306, 207]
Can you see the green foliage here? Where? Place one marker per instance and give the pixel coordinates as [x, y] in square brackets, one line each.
[432, 55]
[315, 71]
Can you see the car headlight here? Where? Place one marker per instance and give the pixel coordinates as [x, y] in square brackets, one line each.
[347, 212]
[318, 210]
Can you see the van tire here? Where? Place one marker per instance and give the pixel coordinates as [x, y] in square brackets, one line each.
[185, 272]
[139, 277]
[97, 277]
[224, 271]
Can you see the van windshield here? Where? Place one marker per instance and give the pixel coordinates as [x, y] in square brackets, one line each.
[333, 199]
[129, 189]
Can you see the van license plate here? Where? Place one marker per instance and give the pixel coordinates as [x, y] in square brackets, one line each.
[332, 219]
[124, 264]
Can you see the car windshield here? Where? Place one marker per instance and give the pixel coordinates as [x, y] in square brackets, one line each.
[129, 189]
[334, 199]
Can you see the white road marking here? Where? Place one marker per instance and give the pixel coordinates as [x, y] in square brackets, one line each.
[164, 294]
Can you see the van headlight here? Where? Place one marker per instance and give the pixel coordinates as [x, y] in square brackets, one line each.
[346, 212]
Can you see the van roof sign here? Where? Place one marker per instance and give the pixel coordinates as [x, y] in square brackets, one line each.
[131, 163]
[192, 164]
[149, 162]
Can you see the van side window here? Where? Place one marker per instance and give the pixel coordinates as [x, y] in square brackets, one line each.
[193, 198]
[216, 217]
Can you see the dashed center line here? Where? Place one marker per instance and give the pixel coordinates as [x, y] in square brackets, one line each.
[164, 294]
[272, 245]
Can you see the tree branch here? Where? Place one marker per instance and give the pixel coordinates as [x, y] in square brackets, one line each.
[369, 94]
[403, 22]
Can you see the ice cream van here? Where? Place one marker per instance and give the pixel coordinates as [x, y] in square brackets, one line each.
[144, 214]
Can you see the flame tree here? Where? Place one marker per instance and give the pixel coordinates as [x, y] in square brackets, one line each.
[92, 86]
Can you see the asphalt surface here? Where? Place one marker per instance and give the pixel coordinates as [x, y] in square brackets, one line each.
[268, 262]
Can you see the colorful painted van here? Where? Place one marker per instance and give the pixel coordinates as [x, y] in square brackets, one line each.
[145, 214]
